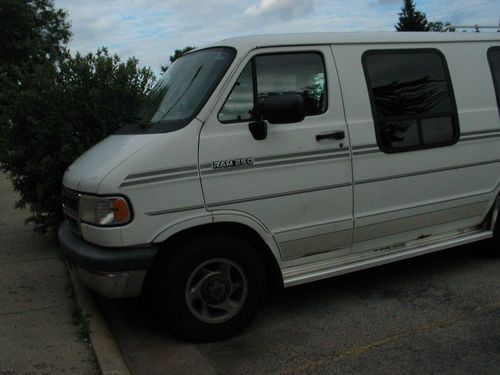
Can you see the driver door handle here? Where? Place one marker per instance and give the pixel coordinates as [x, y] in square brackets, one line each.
[338, 135]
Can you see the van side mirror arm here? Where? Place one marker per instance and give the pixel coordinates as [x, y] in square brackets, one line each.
[258, 129]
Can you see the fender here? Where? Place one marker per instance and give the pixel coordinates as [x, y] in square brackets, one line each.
[223, 216]
[180, 225]
[233, 216]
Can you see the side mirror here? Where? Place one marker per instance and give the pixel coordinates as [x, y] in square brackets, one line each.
[284, 109]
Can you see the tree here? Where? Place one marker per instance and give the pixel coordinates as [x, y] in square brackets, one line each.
[177, 54]
[439, 26]
[55, 106]
[32, 40]
[411, 19]
[33, 32]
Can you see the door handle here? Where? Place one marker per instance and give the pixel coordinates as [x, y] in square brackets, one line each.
[338, 135]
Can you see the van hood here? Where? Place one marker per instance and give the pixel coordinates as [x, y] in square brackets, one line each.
[87, 172]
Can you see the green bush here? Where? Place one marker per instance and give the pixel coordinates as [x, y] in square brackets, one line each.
[54, 106]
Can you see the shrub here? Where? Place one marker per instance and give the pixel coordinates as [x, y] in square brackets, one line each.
[54, 106]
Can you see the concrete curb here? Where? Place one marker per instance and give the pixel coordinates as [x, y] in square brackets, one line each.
[109, 357]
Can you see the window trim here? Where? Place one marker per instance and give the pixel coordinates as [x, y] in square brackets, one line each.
[251, 60]
[453, 113]
[489, 53]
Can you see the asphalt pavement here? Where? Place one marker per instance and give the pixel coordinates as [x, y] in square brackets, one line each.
[436, 314]
[38, 334]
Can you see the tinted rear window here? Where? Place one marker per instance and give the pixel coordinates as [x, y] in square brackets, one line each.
[412, 99]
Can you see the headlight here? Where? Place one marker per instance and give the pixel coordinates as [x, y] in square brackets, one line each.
[104, 211]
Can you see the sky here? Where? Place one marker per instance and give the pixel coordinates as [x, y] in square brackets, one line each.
[152, 29]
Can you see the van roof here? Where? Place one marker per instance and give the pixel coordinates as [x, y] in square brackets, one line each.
[271, 40]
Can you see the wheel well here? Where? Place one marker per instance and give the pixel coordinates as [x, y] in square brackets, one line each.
[271, 266]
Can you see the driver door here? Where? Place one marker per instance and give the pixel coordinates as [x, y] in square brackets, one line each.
[297, 185]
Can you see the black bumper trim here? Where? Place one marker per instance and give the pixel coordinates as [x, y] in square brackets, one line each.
[104, 259]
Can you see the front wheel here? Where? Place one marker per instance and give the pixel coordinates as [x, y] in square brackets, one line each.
[210, 288]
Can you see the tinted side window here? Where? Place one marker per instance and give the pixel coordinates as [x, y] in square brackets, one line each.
[412, 99]
[494, 59]
[277, 74]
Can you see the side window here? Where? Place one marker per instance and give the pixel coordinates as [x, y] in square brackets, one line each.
[277, 74]
[412, 99]
[239, 104]
[494, 59]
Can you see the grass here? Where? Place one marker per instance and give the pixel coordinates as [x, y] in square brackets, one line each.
[81, 322]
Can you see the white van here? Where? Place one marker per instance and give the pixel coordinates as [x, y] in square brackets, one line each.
[284, 159]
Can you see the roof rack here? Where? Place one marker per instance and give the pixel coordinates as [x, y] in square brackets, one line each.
[475, 27]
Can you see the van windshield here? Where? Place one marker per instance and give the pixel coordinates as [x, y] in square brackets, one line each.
[181, 92]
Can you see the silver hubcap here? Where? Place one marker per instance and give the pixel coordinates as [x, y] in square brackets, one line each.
[216, 290]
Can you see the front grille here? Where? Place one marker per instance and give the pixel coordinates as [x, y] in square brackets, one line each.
[71, 202]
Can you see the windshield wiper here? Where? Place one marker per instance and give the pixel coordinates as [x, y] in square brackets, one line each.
[131, 119]
[183, 93]
[137, 120]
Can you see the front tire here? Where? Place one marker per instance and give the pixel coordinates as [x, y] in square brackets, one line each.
[210, 288]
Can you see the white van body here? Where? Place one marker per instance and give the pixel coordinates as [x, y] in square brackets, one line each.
[318, 207]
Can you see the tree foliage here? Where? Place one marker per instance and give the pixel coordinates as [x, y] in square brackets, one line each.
[31, 42]
[54, 106]
[439, 26]
[411, 19]
[33, 32]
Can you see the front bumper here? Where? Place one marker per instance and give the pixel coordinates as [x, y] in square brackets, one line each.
[112, 272]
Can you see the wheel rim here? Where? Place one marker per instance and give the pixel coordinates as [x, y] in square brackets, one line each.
[216, 290]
